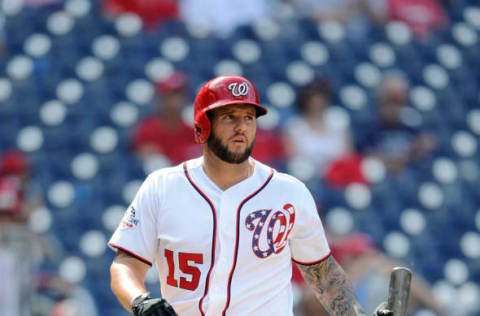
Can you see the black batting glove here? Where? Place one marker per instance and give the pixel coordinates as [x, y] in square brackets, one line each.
[382, 310]
[144, 305]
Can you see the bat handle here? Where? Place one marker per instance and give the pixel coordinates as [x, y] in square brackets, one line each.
[399, 290]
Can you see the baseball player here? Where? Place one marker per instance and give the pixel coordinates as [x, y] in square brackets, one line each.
[223, 229]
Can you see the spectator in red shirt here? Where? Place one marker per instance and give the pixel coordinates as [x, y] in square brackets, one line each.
[18, 200]
[14, 170]
[422, 16]
[270, 148]
[152, 12]
[165, 132]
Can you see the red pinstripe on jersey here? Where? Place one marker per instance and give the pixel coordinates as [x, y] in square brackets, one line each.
[313, 262]
[132, 254]
[238, 235]
[207, 282]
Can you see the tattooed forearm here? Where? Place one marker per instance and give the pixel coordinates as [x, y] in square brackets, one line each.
[331, 286]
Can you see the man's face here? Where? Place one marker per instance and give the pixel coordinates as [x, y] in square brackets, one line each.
[233, 132]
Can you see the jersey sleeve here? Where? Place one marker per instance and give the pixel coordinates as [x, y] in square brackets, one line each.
[308, 242]
[137, 232]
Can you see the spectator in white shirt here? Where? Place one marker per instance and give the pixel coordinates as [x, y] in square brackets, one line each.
[310, 135]
[223, 17]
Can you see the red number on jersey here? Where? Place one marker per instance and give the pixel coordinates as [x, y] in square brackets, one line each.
[184, 261]
[171, 268]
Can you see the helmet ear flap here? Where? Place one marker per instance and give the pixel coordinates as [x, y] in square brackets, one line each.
[202, 127]
[198, 134]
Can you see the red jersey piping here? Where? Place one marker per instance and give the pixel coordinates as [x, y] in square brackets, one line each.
[132, 254]
[237, 238]
[313, 262]
[203, 195]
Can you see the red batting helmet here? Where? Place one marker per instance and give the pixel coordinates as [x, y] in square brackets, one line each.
[220, 91]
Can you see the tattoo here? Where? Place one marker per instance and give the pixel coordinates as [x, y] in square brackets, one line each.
[332, 287]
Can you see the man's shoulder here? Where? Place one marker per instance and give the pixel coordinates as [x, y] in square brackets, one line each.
[167, 172]
[286, 178]
[280, 177]
[285, 185]
[176, 170]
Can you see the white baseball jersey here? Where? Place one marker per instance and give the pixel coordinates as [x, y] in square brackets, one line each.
[223, 252]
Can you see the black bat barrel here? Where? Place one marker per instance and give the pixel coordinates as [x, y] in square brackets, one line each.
[399, 290]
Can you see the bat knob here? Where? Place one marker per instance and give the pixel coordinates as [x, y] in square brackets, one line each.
[399, 290]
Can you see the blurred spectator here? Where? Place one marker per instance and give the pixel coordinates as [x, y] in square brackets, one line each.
[422, 16]
[369, 271]
[345, 170]
[270, 148]
[356, 15]
[310, 135]
[165, 132]
[342, 11]
[3, 35]
[17, 200]
[223, 17]
[152, 12]
[392, 138]
[58, 297]
[449, 4]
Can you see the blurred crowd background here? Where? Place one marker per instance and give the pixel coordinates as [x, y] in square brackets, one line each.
[375, 104]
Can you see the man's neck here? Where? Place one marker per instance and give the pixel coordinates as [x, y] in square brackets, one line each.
[224, 174]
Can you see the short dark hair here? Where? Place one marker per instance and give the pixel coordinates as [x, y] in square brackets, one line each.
[258, 112]
[317, 86]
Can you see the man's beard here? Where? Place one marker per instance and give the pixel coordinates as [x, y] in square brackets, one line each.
[221, 151]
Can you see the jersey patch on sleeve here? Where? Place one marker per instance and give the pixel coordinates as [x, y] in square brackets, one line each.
[129, 220]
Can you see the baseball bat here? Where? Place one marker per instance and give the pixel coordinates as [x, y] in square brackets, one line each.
[399, 290]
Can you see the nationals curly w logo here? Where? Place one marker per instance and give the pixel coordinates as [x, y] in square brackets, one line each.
[275, 237]
[238, 90]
